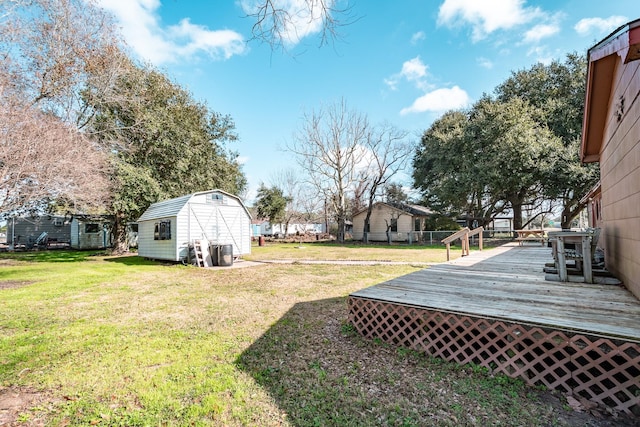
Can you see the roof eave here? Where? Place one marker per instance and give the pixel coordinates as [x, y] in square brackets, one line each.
[602, 59]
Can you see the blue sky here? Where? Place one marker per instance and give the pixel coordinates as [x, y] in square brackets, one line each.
[405, 62]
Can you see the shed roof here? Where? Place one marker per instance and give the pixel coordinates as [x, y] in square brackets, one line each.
[602, 58]
[172, 207]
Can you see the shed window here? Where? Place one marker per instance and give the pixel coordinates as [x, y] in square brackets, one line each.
[217, 199]
[394, 225]
[92, 228]
[162, 230]
[416, 225]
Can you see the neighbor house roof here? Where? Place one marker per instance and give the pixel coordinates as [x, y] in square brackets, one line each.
[601, 64]
[413, 210]
[172, 207]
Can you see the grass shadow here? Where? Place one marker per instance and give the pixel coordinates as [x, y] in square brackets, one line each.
[133, 259]
[319, 371]
[52, 255]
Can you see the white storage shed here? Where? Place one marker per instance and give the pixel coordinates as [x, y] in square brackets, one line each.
[167, 228]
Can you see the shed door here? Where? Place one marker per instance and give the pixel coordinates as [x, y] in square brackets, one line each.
[221, 225]
[231, 228]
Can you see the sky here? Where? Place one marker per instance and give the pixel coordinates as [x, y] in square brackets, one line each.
[403, 62]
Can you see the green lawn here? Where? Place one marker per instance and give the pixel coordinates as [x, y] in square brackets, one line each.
[354, 251]
[120, 341]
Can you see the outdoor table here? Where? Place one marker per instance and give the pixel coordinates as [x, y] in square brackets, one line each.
[582, 240]
[530, 235]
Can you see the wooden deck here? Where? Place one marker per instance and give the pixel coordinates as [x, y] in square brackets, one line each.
[508, 283]
[495, 308]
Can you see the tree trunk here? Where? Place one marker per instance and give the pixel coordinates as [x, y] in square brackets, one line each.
[517, 215]
[120, 241]
[367, 225]
[341, 229]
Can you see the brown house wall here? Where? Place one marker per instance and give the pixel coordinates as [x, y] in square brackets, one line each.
[620, 177]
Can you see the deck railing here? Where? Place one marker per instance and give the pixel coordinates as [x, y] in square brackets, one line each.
[463, 235]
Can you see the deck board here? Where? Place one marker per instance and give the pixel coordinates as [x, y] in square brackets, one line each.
[508, 283]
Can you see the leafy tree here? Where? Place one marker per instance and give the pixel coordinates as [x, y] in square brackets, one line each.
[515, 152]
[394, 193]
[480, 163]
[447, 170]
[164, 142]
[271, 203]
[558, 92]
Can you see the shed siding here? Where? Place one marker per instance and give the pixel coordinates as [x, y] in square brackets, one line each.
[620, 178]
[213, 217]
[156, 249]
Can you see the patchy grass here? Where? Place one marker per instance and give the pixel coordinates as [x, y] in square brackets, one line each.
[119, 341]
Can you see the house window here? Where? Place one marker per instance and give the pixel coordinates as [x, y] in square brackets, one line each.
[92, 228]
[394, 225]
[162, 230]
[416, 225]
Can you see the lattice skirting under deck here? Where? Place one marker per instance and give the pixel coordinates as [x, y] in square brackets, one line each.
[606, 371]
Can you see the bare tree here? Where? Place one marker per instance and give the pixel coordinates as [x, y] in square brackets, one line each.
[49, 49]
[43, 160]
[52, 47]
[282, 23]
[388, 154]
[328, 149]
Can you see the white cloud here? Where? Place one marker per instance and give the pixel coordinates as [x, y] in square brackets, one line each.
[542, 54]
[587, 26]
[540, 32]
[418, 37]
[303, 17]
[486, 16]
[484, 63]
[144, 33]
[439, 100]
[413, 70]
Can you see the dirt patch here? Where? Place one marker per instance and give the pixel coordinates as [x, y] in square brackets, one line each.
[12, 284]
[579, 412]
[23, 407]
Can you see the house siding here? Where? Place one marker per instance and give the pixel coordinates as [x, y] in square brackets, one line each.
[22, 229]
[620, 178]
[378, 225]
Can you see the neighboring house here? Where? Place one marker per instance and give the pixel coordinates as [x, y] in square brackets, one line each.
[91, 232]
[25, 231]
[77, 231]
[259, 227]
[404, 222]
[265, 228]
[611, 136]
[167, 228]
